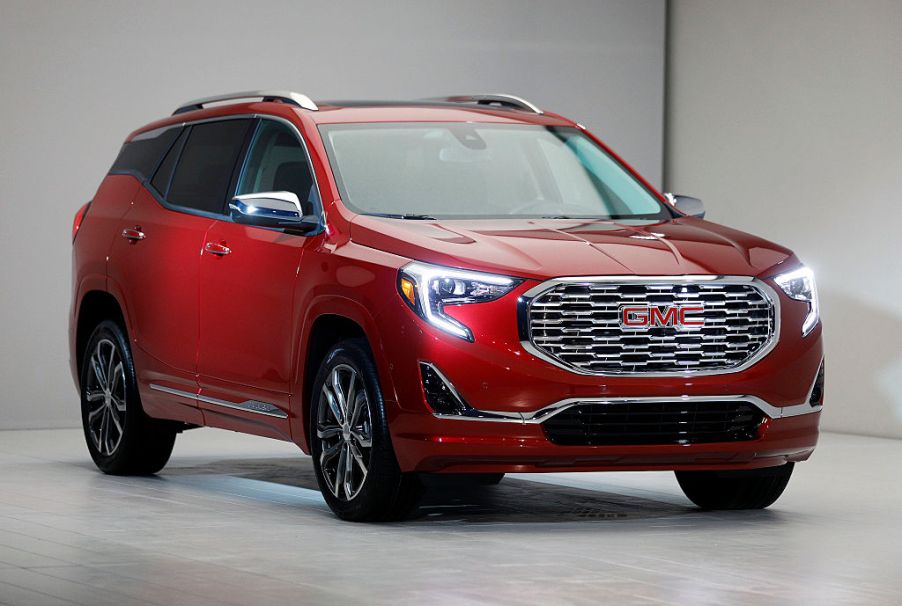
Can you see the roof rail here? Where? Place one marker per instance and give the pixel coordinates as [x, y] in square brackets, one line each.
[497, 99]
[286, 96]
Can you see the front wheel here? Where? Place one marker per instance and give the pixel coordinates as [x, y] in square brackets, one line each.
[741, 489]
[355, 463]
[122, 439]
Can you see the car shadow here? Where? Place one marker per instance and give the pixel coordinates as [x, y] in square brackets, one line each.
[513, 501]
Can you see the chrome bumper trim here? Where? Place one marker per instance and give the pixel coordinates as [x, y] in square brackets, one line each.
[543, 414]
[255, 406]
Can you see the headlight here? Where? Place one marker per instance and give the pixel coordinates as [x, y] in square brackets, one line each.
[428, 288]
[799, 285]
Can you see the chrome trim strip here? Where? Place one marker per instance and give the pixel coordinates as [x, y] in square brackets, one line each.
[472, 413]
[527, 298]
[814, 382]
[543, 414]
[262, 408]
[799, 409]
[288, 96]
[482, 415]
[255, 406]
[175, 392]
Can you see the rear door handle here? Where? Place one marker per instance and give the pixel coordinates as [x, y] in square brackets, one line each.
[217, 249]
[135, 235]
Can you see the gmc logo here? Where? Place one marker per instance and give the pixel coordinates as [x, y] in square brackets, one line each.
[648, 316]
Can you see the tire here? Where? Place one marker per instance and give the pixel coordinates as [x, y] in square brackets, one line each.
[122, 439]
[743, 489]
[488, 479]
[382, 492]
[446, 481]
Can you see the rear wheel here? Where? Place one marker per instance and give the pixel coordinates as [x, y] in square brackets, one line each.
[353, 457]
[742, 489]
[122, 440]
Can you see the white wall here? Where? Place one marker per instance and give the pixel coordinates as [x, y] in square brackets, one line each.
[76, 77]
[786, 118]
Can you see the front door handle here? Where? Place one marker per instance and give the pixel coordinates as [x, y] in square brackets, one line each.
[217, 249]
[134, 235]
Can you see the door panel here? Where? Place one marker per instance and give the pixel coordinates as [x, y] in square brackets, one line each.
[247, 323]
[248, 326]
[155, 262]
[155, 268]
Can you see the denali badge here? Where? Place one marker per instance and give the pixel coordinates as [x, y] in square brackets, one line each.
[648, 316]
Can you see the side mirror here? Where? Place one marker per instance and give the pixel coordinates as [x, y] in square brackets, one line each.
[687, 205]
[280, 209]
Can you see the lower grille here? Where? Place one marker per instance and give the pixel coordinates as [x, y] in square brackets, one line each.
[644, 423]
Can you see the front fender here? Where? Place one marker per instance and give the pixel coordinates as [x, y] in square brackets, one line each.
[357, 291]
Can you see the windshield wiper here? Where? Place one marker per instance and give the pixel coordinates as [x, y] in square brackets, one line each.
[575, 218]
[408, 216]
[598, 218]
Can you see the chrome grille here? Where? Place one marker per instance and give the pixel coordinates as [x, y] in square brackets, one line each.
[577, 325]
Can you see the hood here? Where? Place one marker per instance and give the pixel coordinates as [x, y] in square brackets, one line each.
[542, 249]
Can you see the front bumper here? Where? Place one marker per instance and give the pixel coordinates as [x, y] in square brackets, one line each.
[496, 375]
[459, 446]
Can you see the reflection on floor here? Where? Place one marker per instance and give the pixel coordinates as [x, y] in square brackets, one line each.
[238, 520]
[514, 500]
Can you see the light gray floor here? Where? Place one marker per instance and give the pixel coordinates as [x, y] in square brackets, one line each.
[235, 520]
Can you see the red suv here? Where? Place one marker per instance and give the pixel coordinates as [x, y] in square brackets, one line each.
[467, 285]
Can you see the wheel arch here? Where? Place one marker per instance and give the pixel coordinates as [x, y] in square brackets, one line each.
[95, 307]
[330, 323]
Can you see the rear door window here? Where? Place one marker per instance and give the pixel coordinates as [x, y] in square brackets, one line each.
[204, 172]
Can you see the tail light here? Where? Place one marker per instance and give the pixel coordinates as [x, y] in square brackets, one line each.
[79, 217]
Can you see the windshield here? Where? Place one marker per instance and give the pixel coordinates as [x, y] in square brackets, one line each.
[469, 171]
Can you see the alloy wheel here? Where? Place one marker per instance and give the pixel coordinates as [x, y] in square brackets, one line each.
[106, 397]
[345, 430]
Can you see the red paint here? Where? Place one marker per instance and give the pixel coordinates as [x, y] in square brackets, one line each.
[236, 326]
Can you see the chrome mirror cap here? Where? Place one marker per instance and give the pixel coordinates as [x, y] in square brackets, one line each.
[276, 209]
[271, 205]
[687, 205]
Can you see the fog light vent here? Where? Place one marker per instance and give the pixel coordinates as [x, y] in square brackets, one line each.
[440, 394]
[817, 391]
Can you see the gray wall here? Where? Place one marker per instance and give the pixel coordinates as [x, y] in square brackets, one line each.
[786, 118]
[76, 77]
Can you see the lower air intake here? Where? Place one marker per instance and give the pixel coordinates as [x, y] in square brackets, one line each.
[644, 423]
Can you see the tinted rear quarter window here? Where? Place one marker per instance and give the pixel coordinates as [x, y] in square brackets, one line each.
[161, 179]
[141, 155]
[202, 177]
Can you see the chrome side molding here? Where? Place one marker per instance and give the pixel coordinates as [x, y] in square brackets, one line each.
[255, 406]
